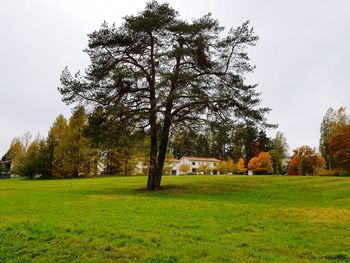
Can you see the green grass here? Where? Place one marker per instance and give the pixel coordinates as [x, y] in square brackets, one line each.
[193, 219]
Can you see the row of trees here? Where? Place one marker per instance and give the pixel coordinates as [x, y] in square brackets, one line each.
[241, 148]
[231, 167]
[261, 164]
[244, 140]
[74, 148]
[66, 152]
[95, 143]
[334, 155]
[88, 144]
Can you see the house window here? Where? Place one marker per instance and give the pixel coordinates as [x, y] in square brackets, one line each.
[214, 164]
[193, 163]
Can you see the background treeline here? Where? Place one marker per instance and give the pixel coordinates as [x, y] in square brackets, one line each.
[244, 147]
[83, 146]
[100, 144]
[334, 156]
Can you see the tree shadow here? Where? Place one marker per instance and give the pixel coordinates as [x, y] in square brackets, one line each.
[185, 190]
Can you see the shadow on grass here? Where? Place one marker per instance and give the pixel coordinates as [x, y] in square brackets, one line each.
[187, 190]
[258, 189]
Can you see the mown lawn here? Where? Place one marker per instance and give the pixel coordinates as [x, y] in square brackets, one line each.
[193, 219]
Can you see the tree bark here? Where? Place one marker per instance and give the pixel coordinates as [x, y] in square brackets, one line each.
[152, 172]
[153, 166]
[162, 150]
[126, 167]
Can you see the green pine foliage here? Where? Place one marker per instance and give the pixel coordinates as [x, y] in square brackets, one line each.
[32, 162]
[158, 71]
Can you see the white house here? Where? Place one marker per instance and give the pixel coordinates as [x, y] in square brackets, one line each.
[174, 164]
[195, 162]
[192, 162]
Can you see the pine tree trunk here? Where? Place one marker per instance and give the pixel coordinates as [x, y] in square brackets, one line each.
[157, 156]
[163, 148]
[153, 166]
[156, 170]
[126, 167]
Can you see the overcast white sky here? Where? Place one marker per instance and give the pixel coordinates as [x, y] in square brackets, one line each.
[302, 57]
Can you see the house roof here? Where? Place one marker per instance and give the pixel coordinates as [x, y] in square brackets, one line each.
[173, 159]
[205, 159]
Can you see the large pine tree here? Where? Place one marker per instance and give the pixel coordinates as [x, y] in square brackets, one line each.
[158, 71]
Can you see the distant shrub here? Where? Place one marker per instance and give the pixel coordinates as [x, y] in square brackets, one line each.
[191, 173]
[325, 172]
[344, 173]
[184, 168]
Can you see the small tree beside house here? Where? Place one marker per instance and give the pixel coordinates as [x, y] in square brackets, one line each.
[204, 168]
[221, 167]
[184, 168]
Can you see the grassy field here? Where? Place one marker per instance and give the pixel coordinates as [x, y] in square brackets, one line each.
[193, 219]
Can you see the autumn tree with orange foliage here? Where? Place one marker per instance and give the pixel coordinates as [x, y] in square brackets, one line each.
[240, 166]
[305, 161]
[261, 164]
[295, 165]
[339, 148]
[253, 164]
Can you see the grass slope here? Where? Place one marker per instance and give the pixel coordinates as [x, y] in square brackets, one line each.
[193, 219]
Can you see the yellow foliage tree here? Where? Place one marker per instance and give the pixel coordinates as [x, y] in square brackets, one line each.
[204, 168]
[73, 155]
[184, 168]
[230, 166]
[221, 167]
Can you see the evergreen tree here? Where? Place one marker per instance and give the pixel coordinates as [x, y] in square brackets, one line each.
[120, 146]
[32, 162]
[159, 71]
[264, 143]
[190, 143]
[220, 141]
